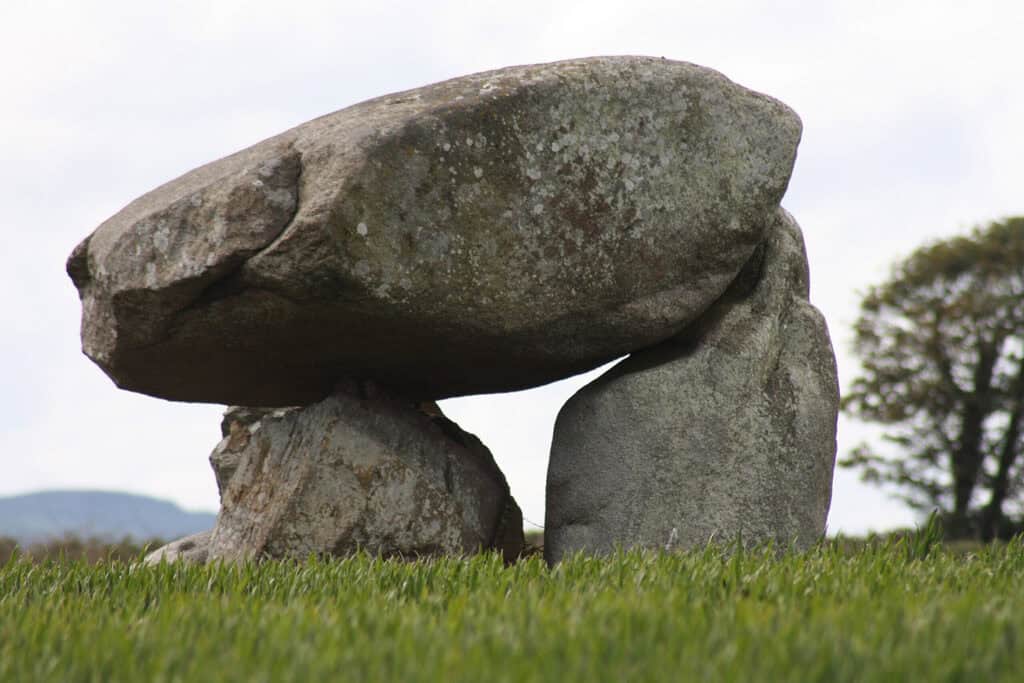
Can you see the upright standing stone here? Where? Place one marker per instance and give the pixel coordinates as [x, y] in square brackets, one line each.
[362, 469]
[726, 430]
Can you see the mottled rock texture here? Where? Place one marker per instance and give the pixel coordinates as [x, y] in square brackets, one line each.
[235, 429]
[194, 548]
[726, 430]
[362, 469]
[483, 234]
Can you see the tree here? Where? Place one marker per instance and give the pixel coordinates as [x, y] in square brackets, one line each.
[942, 348]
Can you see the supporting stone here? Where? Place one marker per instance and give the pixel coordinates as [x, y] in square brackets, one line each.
[727, 430]
[362, 469]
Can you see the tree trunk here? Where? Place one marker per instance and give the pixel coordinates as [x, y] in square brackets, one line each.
[967, 459]
[992, 515]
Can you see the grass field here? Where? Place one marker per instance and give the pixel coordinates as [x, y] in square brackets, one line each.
[901, 611]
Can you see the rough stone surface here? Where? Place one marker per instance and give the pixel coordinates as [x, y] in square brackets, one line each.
[235, 428]
[487, 233]
[194, 548]
[726, 430]
[360, 469]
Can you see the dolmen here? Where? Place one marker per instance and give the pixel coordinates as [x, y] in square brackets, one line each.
[489, 233]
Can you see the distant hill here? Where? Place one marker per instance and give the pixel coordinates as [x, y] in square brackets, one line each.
[47, 515]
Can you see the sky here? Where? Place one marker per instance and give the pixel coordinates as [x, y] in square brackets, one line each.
[913, 116]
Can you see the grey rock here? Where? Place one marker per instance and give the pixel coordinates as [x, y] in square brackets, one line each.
[236, 427]
[194, 548]
[362, 469]
[487, 233]
[726, 431]
[243, 417]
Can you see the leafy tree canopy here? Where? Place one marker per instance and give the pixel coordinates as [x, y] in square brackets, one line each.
[942, 348]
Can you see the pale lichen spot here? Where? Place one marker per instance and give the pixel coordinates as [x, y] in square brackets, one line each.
[269, 167]
[478, 172]
[362, 229]
[151, 274]
[161, 238]
[446, 147]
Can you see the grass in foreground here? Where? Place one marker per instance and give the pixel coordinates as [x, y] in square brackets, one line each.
[901, 611]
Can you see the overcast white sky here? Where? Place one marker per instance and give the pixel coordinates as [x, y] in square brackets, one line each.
[913, 118]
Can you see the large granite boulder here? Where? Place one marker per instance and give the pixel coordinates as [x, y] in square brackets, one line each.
[362, 469]
[483, 234]
[727, 430]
